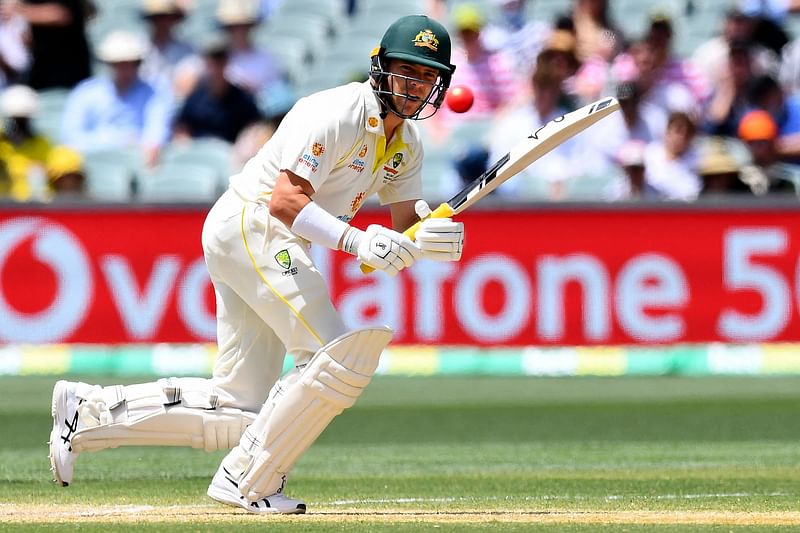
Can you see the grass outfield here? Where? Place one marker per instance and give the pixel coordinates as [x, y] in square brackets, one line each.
[458, 454]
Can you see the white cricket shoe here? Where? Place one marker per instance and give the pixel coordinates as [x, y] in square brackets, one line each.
[65, 422]
[225, 489]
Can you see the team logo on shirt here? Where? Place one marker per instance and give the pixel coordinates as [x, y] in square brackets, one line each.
[390, 169]
[363, 151]
[285, 261]
[373, 122]
[317, 149]
[397, 159]
[356, 203]
[427, 39]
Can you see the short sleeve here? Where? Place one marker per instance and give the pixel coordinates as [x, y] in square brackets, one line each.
[314, 140]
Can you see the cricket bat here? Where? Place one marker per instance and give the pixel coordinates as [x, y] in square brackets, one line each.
[528, 150]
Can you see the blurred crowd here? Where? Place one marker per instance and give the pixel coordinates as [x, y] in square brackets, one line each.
[724, 119]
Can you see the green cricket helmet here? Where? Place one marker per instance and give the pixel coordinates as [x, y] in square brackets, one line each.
[420, 40]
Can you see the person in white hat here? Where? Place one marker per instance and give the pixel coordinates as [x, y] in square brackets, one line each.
[250, 68]
[166, 51]
[118, 109]
[24, 150]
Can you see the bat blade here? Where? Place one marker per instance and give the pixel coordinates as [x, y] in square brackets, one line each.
[533, 147]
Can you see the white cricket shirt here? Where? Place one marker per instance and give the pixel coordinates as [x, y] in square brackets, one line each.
[334, 139]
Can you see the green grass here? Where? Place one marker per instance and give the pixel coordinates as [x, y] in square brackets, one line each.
[421, 453]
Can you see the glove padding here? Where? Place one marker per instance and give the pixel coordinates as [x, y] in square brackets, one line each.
[440, 239]
[385, 249]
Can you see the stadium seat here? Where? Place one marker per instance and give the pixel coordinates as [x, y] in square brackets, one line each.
[131, 159]
[587, 188]
[291, 51]
[213, 154]
[108, 182]
[332, 10]
[179, 182]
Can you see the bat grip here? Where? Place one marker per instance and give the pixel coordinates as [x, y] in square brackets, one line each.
[443, 211]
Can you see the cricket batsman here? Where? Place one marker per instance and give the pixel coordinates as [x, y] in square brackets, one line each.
[333, 150]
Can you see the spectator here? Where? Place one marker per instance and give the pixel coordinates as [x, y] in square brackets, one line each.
[490, 75]
[669, 68]
[165, 51]
[65, 175]
[729, 100]
[596, 35]
[118, 109]
[520, 121]
[768, 18]
[14, 56]
[661, 95]
[765, 93]
[671, 165]
[519, 37]
[631, 185]
[248, 67]
[719, 171]
[759, 131]
[59, 49]
[22, 149]
[711, 57]
[559, 55]
[216, 107]
[601, 144]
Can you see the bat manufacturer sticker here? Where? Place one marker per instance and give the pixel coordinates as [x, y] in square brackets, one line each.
[535, 134]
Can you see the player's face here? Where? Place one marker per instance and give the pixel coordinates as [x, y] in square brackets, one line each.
[411, 85]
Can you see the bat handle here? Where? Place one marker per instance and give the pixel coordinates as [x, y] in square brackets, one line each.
[443, 211]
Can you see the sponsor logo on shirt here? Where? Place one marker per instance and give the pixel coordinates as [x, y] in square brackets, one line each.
[356, 203]
[427, 39]
[358, 165]
[345, 218]
[309, 161]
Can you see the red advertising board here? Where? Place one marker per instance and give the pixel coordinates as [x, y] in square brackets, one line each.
[549, 276]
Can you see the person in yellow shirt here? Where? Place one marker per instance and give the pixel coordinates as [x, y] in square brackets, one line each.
[23, 150]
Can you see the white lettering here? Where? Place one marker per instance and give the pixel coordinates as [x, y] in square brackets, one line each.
[740, 245]
[653, 281]
[61, 251]
[553, 275]
[517, 294]
[191, 305]
[429, 276]
[141, 312]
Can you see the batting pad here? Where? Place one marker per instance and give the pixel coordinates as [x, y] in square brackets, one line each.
[331, 382]
[169, 412]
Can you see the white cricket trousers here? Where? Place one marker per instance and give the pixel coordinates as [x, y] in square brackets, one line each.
[271, 300]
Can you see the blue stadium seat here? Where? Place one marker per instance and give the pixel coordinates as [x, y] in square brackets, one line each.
[108, 182]
[179, 182]
[214, 154]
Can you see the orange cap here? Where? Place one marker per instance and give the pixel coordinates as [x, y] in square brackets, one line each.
[758, 125]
